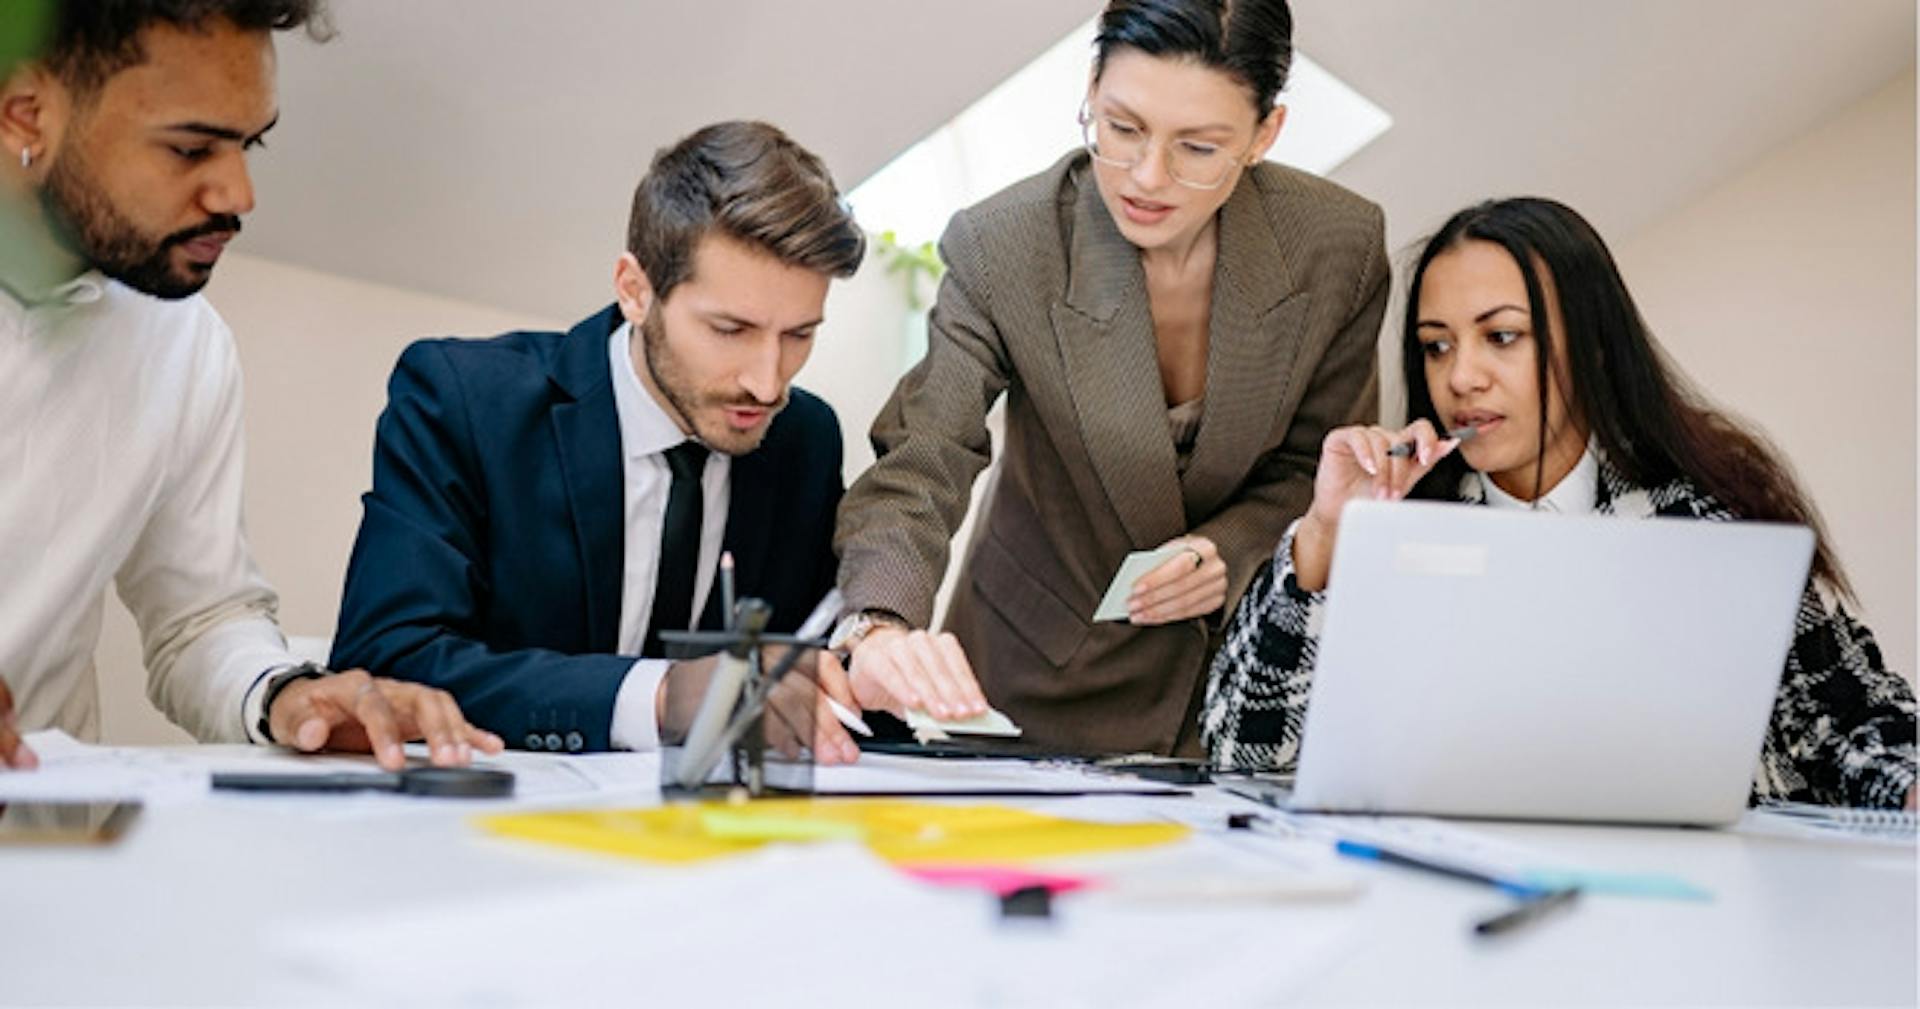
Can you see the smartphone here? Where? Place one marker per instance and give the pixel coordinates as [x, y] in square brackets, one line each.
[59, 823]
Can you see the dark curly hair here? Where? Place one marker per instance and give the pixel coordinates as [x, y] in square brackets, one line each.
[94, 39]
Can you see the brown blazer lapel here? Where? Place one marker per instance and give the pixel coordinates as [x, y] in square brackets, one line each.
[1105, 332]
[1253, 337]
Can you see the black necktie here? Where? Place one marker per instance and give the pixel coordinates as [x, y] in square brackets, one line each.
[679, 547]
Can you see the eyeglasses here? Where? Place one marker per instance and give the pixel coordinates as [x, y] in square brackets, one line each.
[1122, 143]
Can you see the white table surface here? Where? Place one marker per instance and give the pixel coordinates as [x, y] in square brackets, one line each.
[193, 907]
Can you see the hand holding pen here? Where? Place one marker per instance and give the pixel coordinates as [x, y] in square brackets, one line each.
[1363, 462]
[1412, 448]
[827, 690]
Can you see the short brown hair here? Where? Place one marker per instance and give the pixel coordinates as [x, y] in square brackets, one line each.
[752, 183]
[95, 39]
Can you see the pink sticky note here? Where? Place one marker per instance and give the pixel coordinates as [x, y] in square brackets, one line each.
[996, 879]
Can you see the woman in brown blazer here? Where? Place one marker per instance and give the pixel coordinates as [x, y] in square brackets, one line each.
[1176, 325]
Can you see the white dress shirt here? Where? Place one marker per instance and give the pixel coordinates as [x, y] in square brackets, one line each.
[120, 461]
[646, 433]
[1575, 494]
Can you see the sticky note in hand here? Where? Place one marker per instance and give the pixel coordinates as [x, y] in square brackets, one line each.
[1113, 606]
[992, 723]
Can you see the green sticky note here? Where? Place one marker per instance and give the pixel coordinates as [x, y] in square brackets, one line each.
[732, 826]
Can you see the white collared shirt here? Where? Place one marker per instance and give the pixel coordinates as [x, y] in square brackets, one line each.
[1575, 494]
[646, 433]
[120, 462]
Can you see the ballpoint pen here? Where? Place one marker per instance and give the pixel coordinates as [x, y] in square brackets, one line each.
[1528, 910]
[1405, 448]
[1535, 901]
[1373, 852]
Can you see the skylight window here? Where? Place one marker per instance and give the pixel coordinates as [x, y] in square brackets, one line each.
[1027, 122]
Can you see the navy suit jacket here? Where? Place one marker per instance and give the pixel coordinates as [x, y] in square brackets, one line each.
[490, 557]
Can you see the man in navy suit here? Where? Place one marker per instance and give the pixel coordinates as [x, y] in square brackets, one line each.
[544, 504]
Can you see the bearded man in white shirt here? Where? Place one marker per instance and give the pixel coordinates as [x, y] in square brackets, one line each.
[126, 145]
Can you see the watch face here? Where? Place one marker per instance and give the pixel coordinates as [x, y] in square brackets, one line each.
[852, 627]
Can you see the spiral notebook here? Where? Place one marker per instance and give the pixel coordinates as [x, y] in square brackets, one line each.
[1892, 824]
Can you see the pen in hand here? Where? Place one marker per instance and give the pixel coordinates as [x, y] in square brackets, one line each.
[816, 625]
[1406, 448]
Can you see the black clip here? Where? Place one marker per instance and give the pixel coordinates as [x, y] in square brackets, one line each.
[1027, 902]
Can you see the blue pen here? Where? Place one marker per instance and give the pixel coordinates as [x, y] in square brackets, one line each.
[1375, 853]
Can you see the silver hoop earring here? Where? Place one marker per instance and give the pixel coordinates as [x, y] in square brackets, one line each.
[26, 158]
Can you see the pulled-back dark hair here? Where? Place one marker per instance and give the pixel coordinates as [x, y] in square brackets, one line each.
[1250, 40]
[1649, 420]
[752, 183]
[95, 39]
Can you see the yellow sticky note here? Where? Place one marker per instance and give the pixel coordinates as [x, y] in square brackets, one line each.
[899, 831]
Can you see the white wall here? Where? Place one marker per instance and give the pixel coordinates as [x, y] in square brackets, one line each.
[1787, 292]
[317, 350]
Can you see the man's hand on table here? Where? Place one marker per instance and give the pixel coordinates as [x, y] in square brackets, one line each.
[356, 712]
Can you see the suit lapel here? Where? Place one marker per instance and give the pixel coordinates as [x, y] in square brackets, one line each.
[1253, 337]
[1105, 332]
[586, 431]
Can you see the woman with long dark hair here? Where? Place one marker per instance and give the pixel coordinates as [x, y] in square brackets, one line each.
[1175, 324]
[1519, 326]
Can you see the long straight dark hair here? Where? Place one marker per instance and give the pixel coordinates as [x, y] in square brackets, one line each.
[1651, 422]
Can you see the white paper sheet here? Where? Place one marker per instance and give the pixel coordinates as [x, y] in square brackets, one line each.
[74, 771]
[79, 772]
[824, 925]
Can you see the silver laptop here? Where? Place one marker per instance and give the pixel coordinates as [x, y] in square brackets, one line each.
[1492, 663]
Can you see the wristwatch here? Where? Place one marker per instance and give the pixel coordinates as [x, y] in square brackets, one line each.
[854, 628]
[280, 681]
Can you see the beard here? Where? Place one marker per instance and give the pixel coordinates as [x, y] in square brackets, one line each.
[670, 377]
[89, 224]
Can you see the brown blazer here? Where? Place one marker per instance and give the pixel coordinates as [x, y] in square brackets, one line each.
[1044, 300]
